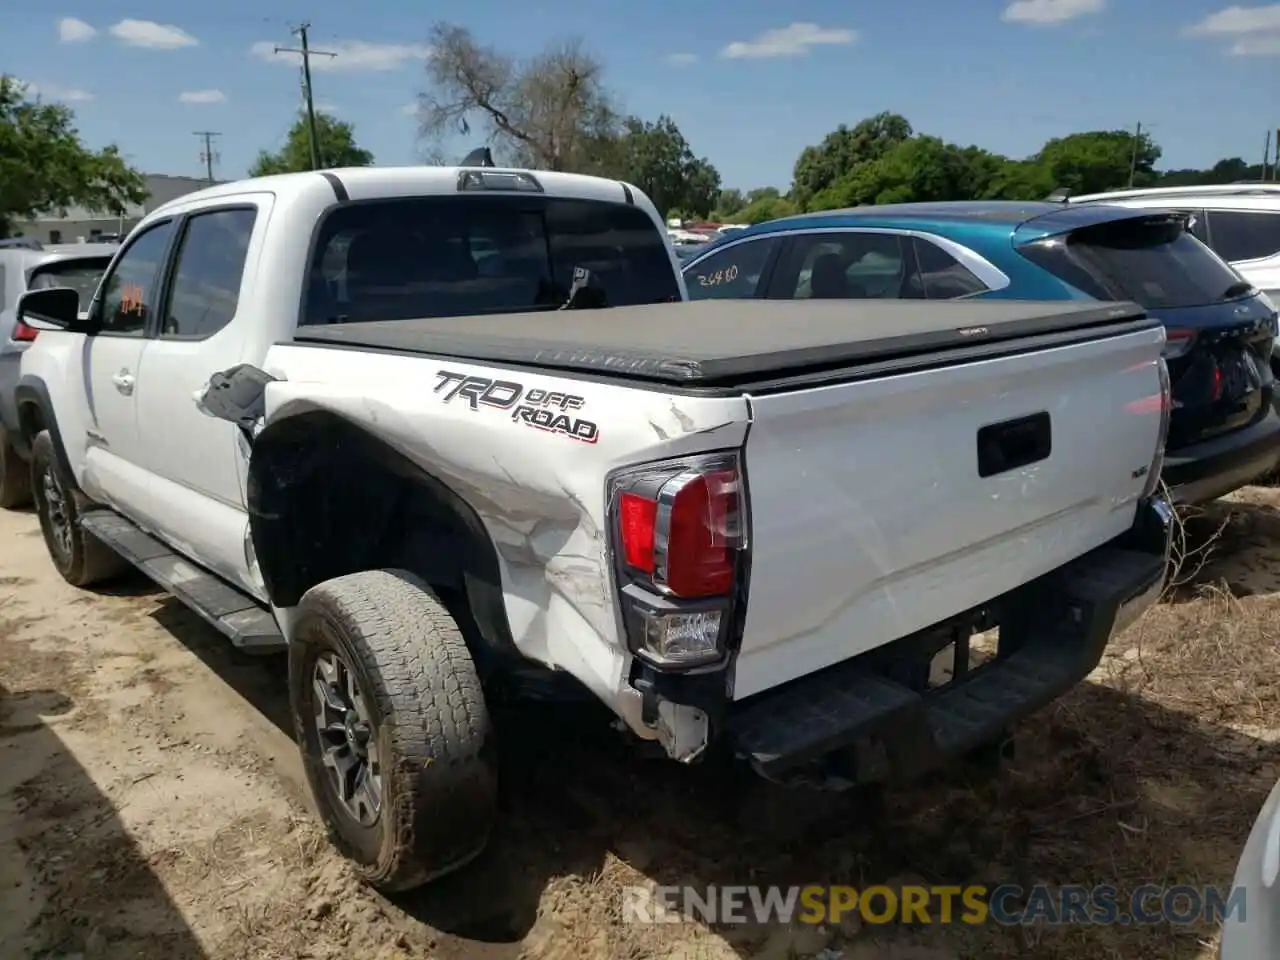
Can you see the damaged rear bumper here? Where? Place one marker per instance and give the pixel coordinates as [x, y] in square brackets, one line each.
[858, 722]
[854, 723]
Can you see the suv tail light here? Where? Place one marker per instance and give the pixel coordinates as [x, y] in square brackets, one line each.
[23, 333]
[679, 539]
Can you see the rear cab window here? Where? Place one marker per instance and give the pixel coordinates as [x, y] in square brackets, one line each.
[449, 256]
[1151, 260]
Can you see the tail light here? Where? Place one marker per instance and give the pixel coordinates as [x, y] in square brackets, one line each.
[23, 333]
[679, 539]
[1166, 411]
[1177, 342]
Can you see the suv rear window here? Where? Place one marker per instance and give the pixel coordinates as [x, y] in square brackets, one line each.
[456, 256]
[1152, 261]
[82, 276]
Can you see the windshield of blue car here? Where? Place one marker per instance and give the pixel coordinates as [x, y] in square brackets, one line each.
[80, 275]
[460, 256]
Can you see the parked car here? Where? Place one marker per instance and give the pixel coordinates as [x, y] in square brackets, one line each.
[1253, 931]
[27, 265]
[1225, 431]
[1240, 222]
[331, 454]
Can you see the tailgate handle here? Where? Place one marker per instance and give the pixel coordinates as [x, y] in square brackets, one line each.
[1014, 443]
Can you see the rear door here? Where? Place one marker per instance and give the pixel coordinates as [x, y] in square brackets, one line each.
[843, 265]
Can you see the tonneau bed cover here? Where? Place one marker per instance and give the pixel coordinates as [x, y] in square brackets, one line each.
[723, 342]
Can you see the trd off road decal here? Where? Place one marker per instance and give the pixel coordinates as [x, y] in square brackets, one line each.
[541, 409]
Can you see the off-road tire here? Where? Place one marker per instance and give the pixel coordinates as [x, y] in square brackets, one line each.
[15, 476]
[86, 560]
[430, 723]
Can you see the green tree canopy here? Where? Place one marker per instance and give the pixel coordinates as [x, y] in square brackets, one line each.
[45, 168]
[337, 147]
[1099, 160]
[841, 151]
[657, 159]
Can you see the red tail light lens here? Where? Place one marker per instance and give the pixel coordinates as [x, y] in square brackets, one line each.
[686, 534]
[679, 538]
[23, 333]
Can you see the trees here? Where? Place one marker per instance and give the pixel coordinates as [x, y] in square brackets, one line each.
[554, 112]
[551, 112]
[841, 151]
[335, 140]
[657, 159]
[1099, 160]
[44, 167]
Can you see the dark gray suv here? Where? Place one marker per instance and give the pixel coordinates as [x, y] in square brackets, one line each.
[27, 265]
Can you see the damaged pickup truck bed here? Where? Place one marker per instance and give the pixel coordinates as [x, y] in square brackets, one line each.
[748, 526]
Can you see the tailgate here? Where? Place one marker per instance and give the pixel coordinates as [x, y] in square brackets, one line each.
[870, 514]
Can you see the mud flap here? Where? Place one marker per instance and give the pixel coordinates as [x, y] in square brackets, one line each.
[237, 395]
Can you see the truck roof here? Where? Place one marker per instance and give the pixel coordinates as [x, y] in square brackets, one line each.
[719, 343]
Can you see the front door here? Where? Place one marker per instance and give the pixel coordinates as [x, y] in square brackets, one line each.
[115, 471]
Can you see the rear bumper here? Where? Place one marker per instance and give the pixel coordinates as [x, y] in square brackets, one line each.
[851, 724]
[1214, 468]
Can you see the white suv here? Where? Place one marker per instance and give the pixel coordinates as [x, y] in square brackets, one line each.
[1239, 221]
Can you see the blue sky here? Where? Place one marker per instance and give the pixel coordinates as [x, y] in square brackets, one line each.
[749, 83]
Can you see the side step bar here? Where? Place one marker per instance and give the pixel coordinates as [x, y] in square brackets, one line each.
[228, 610]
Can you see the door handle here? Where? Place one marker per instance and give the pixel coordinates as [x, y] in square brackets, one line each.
[124, 382]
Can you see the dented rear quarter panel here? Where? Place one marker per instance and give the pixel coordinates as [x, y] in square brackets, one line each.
[540, 493]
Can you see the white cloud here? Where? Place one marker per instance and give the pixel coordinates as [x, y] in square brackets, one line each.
[682, 59]
[71, 30]
[52, 91]
[202, 96]
[1267, 45]
[152, 35]
[329, 107]
[1050, 12]
[1254, 30]
[791, 41]
[352, 55]
[1234, 21]
[410, 109]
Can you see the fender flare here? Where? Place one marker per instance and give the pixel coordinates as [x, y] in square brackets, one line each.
[35, 412]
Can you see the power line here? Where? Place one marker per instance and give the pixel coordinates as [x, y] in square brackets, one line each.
[208, 155]
[307, 53]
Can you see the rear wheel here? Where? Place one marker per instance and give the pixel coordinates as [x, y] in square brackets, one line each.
[395, 734]
[15, 476]
[78, 555]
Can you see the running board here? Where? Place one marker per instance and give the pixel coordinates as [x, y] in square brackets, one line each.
[230, 611]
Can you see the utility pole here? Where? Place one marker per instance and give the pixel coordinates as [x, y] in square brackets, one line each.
[1266, 153]
[307, 53]
[1133, 161]
[207, 155]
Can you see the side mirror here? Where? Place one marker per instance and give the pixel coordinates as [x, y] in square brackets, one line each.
[57, 307]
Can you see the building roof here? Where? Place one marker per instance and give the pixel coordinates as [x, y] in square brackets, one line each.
[161, 188]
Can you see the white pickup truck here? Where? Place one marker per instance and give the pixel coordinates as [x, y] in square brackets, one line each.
[378, 418]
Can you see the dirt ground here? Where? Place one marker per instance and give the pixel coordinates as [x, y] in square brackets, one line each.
[152, 803]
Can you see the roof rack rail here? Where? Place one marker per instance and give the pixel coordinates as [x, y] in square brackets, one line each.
[21, 243]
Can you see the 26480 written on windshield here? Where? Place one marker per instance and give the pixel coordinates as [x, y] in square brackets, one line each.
[727, 275]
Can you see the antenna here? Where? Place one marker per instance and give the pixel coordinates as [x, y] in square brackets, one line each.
[479, 157]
